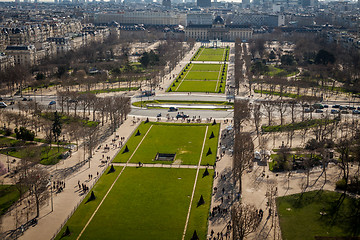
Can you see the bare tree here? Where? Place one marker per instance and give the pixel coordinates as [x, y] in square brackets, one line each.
[242, 113]
[245, 219]
[243, 155]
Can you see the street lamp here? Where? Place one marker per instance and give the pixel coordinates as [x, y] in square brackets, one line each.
[51, 187]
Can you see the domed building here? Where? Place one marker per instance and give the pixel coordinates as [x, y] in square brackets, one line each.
[218, 30]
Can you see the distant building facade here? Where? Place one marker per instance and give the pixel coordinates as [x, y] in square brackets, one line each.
[162, 18]
[218, 30]
[203, 3]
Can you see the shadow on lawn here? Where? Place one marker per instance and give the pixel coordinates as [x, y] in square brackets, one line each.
[335, 209]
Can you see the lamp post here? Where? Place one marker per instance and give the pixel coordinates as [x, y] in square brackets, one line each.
[51, 195]
[8, 161]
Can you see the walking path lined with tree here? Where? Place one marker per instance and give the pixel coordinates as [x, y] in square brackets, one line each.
[66, 202]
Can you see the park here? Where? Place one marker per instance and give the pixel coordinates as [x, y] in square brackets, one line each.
[152, 201]
[210, 78]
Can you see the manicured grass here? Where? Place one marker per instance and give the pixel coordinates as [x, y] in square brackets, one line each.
[145, 103]
[48, 156]
[211, 54]
[132, 143]
[183, 139]
[10, 142]
[300, 217]
[202, 76]
[211, 143]
[83, 213]
[211, 83]
[8, 196]
[145, 203]
[274, 71]
[199, 215]
[198, 86]
[206, 67]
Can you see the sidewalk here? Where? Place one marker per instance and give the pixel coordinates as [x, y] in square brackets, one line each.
[222, 195]
[66, 202]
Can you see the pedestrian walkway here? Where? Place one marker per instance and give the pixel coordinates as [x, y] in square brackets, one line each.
[222, 196]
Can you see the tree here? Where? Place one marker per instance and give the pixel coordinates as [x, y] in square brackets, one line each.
[242, 113]
[257, 117]
[287, 60]
[243, 155]
[56, 127]
[37, 181]
[324, 57]
[245, 219]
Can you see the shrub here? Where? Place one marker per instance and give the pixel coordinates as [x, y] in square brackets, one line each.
[24, 134]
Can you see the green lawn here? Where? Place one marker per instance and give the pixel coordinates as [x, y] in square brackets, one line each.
[197, 72]
[211, 54]
[8, 196]
[145, 203]
[200, 86]
[48, 156]
[183, 139]
[199, 215]
[145, 103]
[202, 76]
[206, 67]
[275, 71]
[85, 210]
[300, 218]
[141, 206]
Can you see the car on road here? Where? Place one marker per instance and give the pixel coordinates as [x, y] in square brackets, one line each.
[159, 115]
[172, 109]
[52, 103]
[334, 111]
[24, 99]
[3, 105]
[181, 115]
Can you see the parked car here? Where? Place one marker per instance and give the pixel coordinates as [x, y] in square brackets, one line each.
[3, 105]
[351, 108]
[308, 110]
[333, 111]
[173, 109]
[159, 115]
[344, 112]
[356, 112]
[336, 106]
[318, 106]
[319, 111]
[52, 103]
[326, 106]
[24, 99]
